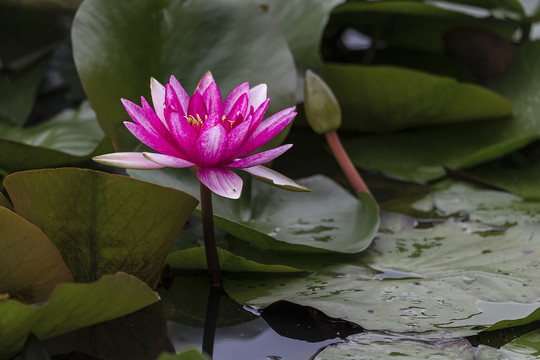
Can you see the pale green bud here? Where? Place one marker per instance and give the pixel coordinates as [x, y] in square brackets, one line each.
[321, 106]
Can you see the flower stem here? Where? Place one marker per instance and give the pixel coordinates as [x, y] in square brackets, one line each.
[345, 162]
[210, 247]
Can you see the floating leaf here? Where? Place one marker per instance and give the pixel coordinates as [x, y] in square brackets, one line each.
[70, 307]
[378, 346]
[194, 259]
[423, 280]
[102, 223]
[421, 154]
[275, 219]
[383, 98]
[141, 39]
[4, 202]
[71, 136]
[30, 265]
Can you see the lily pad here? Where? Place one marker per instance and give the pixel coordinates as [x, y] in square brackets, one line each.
[395, 98]
[71, 136]
[418, 280]
[194, 259]
[375, 346]
[102, 223]
[421, 154]
[30, 265]
[134, 41]
[4, 202]
[70, 307]
[275, 219]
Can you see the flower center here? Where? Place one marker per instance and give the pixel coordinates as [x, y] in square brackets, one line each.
[192, 120]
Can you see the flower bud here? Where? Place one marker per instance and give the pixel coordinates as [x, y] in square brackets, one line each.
[321, 106]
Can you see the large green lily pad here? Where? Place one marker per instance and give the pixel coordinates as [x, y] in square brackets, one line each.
[71, 136]
[30, 265]
[119, 46]
[421, 154]
[70, 307]
[102, 223]
[384, 98]
[325, 219]
[421, 279]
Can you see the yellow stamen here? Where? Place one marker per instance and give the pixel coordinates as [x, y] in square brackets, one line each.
[195, 121]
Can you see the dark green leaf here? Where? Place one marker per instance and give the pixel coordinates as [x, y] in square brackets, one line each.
[34, 350]
[194, 259]
[119, 46]
[70, 307]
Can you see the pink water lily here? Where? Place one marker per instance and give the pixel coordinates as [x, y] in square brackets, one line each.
[206, 134]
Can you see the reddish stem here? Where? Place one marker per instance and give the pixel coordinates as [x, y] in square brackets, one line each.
[345, 162]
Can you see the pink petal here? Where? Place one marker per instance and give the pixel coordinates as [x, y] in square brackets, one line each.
[182, 95]
[267, 130]
[257, 95]
[152, 140]
[127, 160]
[212, 99]
[197, 106]
[172, 103]
[259, 158]
[239, 108]
[138, 115]
[236, 138]
[154, 121]
[210, 122]
[258, 115]
[233, 97]
[184, 135]
[206, 80]
[223, 182]
[211, 146]
[274, 178]
[158, 98]
[166, 160]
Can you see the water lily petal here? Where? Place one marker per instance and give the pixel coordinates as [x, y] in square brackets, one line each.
[257, 95]
[197, 106]
[211, 146]
[212, 99]
[258, 115]
[127, 160]
[166, 160]
[172, 103]
[233, 97]
[274, 178]
[152, 140]
[182, 95]
[138, 115]
[184, 135]
[205, 81]
[259, 158]
[267, 130]
[239, 108]
[158, 98]
[223, 182]
[154, 121]
[210, 122]
[236, 138]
